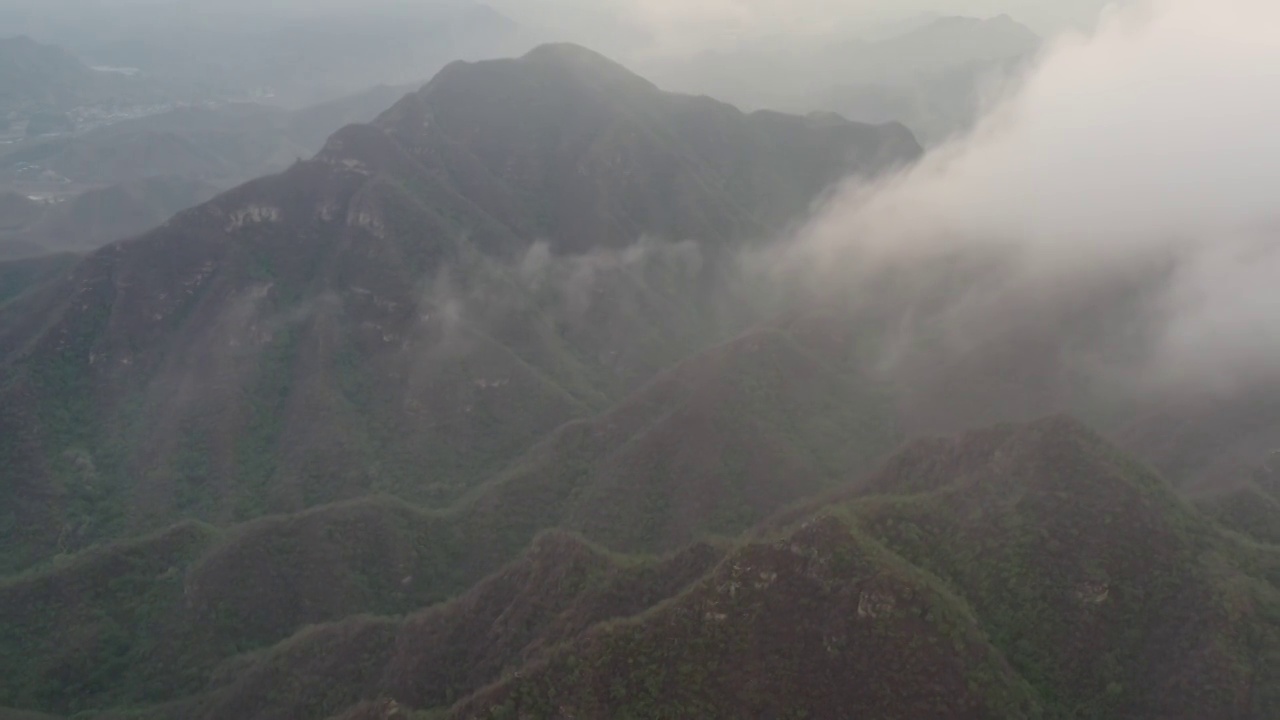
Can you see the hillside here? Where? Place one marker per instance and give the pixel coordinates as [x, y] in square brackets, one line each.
[762, 408]
[497, 407]
[97, 217]
[1094, 592]
[223, 144]
[1019, 571]
[519, 244]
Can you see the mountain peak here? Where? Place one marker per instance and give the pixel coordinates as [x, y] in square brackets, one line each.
[561, 52]
[583, 64]
[567, 145]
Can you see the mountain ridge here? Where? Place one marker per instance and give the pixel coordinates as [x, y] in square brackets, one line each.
[367, 438]
[264, 338]
[1017, 571]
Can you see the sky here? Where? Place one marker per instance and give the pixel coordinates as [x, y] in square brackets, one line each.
[670, 24]
[685, 26]
[362, 43]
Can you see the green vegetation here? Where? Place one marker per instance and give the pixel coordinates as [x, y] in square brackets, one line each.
[316, 449]
[1024, 572]
[1040, 547]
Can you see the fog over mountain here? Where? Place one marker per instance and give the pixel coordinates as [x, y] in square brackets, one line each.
[393, 41]
[292, 53]
[674, 26]
[1152, 141]
[904, 360]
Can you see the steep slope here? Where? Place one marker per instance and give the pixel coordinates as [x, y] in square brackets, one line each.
[401, 313]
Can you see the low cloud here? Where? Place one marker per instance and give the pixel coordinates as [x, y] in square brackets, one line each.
[1147, 151]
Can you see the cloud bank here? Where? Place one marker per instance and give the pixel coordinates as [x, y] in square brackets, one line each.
[1154, 142]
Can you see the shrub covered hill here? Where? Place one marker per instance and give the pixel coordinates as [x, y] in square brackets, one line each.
[1022, 571]
[467, 418]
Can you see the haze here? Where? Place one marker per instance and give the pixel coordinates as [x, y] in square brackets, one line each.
[1150, 144]
[395, 41]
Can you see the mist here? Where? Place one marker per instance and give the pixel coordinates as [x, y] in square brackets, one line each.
[309, 51]
[1141, 160]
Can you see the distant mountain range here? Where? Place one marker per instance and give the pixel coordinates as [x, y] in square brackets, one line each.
[932, 75]
[95, 217]
[118, 181]
[38, 81]
[41, 77]
[298, 54]
[369, 438]
[223, 144]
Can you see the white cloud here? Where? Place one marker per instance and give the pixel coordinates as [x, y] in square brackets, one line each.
[1159, 134]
